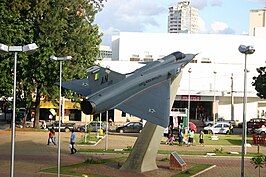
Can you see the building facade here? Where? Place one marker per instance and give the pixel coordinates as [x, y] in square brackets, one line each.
[182, 18]
[217, 77]
[257, 18]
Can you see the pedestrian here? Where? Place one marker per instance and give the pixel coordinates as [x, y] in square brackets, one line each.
[51, 137]
[190, 137]
[201, 138]
[180, 137]
[230, 128]
[170, 139]
[72, 142]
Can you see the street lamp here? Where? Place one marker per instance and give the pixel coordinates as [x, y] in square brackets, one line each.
[188, 113]
[232, 98]
[214, 97]
[247, 50]
[60, 59]
[29, 49]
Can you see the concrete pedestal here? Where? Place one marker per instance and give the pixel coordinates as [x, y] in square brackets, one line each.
[143, 155]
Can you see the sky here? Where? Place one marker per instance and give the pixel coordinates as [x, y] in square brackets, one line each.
[215, 16]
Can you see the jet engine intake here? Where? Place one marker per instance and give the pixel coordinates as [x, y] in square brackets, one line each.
[88, 107]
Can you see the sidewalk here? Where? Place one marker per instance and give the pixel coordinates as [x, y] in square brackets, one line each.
[32, 155]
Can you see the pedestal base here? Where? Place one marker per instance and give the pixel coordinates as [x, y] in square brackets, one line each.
[143, 155]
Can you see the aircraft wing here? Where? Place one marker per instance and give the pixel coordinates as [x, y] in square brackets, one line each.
[152, 104]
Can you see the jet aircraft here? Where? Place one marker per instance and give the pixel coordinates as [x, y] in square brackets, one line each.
[144, 93]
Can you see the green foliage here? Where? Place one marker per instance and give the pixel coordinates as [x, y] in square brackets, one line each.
[60, 28]
[219, 150]
[258, 161]
[260, 82]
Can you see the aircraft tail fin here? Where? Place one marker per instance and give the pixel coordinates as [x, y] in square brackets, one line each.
[99, 77]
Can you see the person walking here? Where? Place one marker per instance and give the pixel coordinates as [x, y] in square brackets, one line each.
[201, 138]
[230, 128]
[180, 137]
[190, 137]
[51, 137]
[72, 142]
[170, 139]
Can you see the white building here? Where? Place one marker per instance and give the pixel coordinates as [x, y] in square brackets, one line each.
[217, 53]
[182, 18]
[105, 52]
[257, 18]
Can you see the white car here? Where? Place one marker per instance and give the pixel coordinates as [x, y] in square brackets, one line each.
[220, 127]
[261, 131]
[210, 123]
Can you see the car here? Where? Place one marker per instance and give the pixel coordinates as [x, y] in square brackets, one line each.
[261, 131]
[66, 127]
[219, 127]
[93, 127]
[130, 127]
[256, 123]
[210, 123]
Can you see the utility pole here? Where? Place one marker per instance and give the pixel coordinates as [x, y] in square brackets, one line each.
[232, 98]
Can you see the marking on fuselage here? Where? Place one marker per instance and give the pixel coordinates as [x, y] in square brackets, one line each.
[150, 80]
[152, 111]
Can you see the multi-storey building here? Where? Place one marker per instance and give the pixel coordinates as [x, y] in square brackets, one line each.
[257, 18]
[182, 18]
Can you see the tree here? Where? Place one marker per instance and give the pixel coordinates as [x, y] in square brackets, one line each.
[260, 82]
[59, 28]
[258, 161]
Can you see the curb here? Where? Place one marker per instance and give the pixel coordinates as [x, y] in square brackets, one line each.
[211, 167]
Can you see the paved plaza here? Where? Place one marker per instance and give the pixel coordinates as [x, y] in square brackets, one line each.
[32, 154]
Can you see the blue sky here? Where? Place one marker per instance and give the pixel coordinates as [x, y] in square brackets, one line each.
[215, 16]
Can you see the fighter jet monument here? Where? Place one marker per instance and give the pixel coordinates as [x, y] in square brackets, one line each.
[147, 93]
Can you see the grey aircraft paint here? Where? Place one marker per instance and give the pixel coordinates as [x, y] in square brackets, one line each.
[144, 93]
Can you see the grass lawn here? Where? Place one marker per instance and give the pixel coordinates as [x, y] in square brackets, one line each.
[224, 140]
[88, 167]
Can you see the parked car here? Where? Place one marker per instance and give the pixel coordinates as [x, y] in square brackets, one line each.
[210, 123]
[93, 127]
[219, 127]
[260, 131]
[130, 127]
[256, 123]
[66, 127]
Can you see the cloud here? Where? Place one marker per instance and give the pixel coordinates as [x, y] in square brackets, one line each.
[131, 15]
[262, 1]
[216, 3]
[201, 4]
[221, 28]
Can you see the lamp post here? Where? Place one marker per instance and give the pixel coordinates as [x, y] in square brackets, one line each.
[247, 50]
[188, 113]
[214, 97]
[60, 59]
[29, 48]
[232, 98]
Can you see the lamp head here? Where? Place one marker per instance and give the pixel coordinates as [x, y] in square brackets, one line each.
[3, 47]
[30, 48]
[60, 58]
[246, 49]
